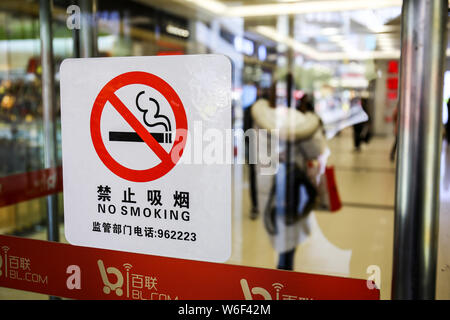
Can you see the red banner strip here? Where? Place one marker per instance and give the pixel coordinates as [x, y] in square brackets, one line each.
[30, 185]
[88, 273]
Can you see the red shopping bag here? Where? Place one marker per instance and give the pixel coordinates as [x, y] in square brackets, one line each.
[328, 193]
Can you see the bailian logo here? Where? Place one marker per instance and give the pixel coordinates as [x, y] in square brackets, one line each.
[137, 286]
[19, 268]
[249, 294]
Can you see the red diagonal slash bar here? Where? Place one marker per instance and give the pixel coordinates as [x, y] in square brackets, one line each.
[138, 127]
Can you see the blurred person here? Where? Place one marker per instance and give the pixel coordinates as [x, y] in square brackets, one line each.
[367, 131]
[261, 94]
[289, 195]
[395, 121]
[447, 125]
[361, 130]
[304, 104]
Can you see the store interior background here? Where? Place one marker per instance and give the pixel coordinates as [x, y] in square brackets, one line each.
[341, 56]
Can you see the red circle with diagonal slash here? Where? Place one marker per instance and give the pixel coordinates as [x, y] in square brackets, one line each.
[168, 160]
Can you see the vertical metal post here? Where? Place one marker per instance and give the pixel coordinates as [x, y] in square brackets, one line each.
[290, 86]
[420, 131]
[290, 190]
[76, 43]
[285, 188]
[94, 28]
[88, 35]
[48, 102]
[76, 37]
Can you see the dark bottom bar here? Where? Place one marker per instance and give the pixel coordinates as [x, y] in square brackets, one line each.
[161, 137]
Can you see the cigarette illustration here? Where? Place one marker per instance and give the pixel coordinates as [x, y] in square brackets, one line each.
[152, 118]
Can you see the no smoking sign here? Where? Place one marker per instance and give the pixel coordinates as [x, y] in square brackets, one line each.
[152, 117]
[127, 127]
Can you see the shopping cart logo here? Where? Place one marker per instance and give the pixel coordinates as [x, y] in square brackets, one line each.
[151, 117]
[111, 284]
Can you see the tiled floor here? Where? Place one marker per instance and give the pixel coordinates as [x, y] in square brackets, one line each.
[345, 243]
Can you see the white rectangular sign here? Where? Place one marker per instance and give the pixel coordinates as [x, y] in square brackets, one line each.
[146, 154]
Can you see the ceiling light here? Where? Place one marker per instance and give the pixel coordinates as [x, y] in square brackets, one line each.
[309, 7]
[273, 34]
[312, 53]
[338, 37]
[329, 31]
[386, 29]
[385, 36]
[388, 40]
[213, 6]
[288, 7]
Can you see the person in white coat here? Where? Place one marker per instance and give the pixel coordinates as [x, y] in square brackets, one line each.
[288, 195]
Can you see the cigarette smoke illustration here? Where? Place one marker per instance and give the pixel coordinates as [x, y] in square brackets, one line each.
[151, 116]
